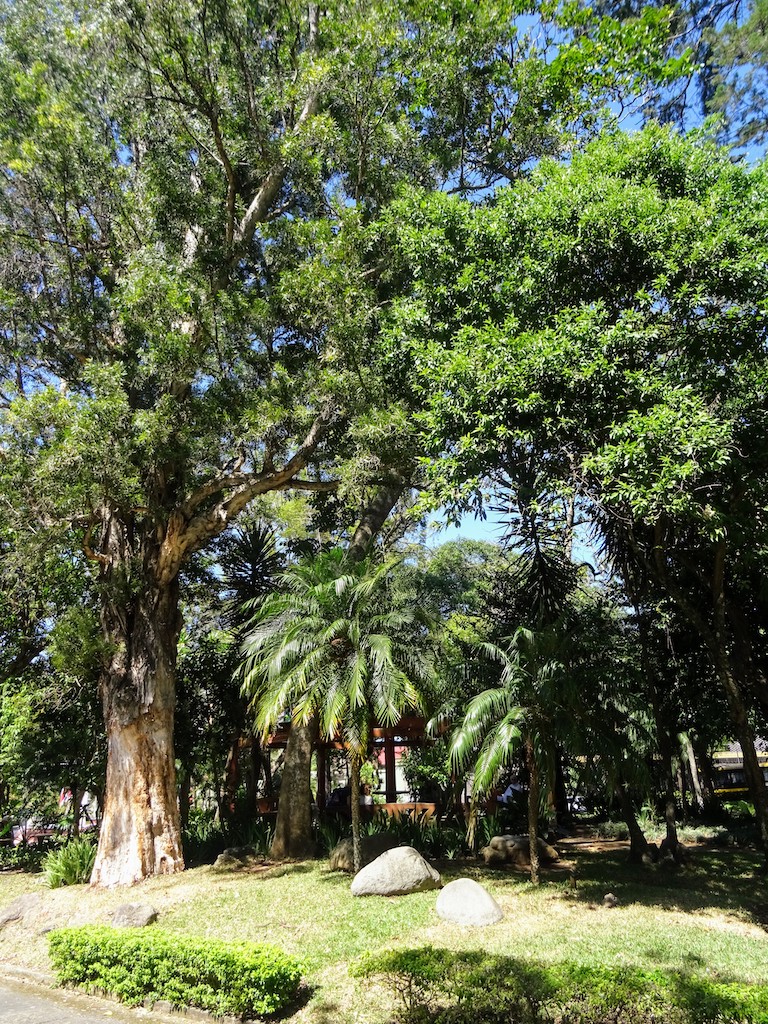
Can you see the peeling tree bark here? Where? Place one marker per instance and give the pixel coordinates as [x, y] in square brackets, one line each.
[140, 831]
[139, 566]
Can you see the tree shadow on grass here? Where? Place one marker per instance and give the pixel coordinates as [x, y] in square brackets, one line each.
[464, 987]
[714, 879]
[303, 996]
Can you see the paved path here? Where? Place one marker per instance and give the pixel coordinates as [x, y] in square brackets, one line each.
[22, 1003]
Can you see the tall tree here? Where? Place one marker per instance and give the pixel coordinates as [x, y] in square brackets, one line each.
[611, 320]
[163, 166]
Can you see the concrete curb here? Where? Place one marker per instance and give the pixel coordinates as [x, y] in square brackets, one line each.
[43, 983]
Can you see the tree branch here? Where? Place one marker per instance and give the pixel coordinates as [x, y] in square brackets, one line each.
[259, 207]
[186, 532]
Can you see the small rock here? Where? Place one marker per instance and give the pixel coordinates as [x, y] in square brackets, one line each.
[371, 847]
[395, 873]
[610, 900]
[465, 902]
[16, 910]
[133, 915]
[237, 858]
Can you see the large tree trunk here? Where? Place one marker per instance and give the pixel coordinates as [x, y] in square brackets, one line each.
[293, 828]
[671, 842]
[140, 831]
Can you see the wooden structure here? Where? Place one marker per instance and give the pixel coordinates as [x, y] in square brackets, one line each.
[388, 743]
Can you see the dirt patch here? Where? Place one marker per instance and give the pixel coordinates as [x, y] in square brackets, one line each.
[592, 844]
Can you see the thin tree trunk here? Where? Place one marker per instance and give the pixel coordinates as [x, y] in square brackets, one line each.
[706, 773]
[533, 809]
[293, 838]
[746, 738]
[232, 776]
[671, 842]
[77, 796]
[638, 844]
[185, 789]
[693, 774]
[736, 704]
[354, 797]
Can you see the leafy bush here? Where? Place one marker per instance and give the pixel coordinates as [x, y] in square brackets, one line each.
[427, 771]
[442, 986]
[20, 858]
[331, 831]
[71, 864]
[137, 964]
[612, 830]
[423, 832]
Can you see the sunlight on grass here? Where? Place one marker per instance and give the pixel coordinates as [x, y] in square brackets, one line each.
[708, 919]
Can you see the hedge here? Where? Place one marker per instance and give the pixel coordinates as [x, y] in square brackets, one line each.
[135, 965]
[443, 985]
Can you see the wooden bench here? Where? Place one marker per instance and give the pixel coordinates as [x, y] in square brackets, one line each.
[415, 810]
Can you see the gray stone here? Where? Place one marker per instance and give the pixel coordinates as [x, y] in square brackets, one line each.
[371, 847]
[133, 915]
[395, 873]
[468, 903]
[16, 910]
[238, 858]
[503, 850]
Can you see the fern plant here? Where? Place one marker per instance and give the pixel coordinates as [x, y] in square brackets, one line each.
[71, 864]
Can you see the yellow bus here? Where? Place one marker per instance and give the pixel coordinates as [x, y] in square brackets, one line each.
[730, 778]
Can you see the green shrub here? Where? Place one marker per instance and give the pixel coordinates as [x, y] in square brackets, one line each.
[330, 832]
[137, 964]
[442, 986]
[21, 858]
[71, 864]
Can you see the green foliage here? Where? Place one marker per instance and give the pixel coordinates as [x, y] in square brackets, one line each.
[134, 965]
[204, 838]
[442, 986]
[424, 832]
[369, 774]
[426, 770]
[338, 642]
[331, 831]
[71, 864]
[21, 858]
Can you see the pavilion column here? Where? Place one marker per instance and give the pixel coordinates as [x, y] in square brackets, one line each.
[322, 774]
[390, 779]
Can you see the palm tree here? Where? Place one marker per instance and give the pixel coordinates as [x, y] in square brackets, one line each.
[569, 684]
[521, 711]
[336, 642]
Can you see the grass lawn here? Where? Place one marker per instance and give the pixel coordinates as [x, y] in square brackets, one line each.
[710, 919]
